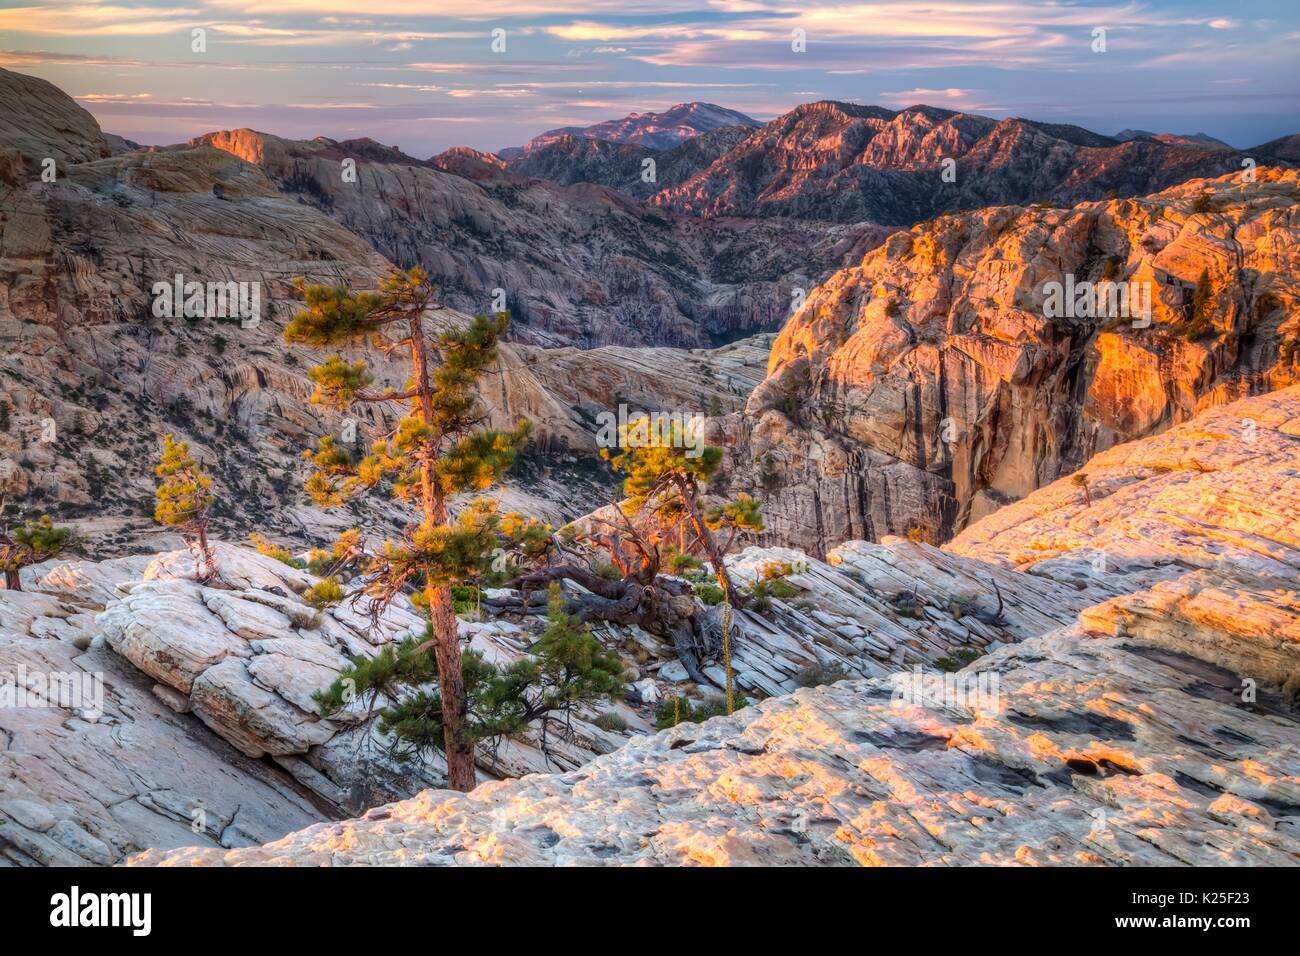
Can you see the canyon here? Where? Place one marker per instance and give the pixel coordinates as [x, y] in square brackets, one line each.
[1042, 567]
[928, 386]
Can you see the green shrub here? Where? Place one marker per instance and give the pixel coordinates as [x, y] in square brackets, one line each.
[679, 710]
[610, 721]
[708, 592]
[324, 593]
[679, 562]
[464, 598]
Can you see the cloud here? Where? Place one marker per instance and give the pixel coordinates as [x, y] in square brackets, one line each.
[112, 97]
[133, 55]
[38, 57]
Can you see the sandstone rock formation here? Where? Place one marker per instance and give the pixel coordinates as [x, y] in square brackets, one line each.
[162, 712]
[47, 126]
[929, 386]
[1158, 727]
[227, 670]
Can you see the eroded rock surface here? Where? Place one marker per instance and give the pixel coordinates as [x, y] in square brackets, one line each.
[1102, 753]
[1157, 726]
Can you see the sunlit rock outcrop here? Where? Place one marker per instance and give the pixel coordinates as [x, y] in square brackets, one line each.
[931, 385]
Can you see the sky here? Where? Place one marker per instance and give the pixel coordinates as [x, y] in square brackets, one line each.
[429, 75]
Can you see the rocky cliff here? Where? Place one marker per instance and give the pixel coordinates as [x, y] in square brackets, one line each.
[650, 130]
[1156, 726]
[934, 383]
[570, 159]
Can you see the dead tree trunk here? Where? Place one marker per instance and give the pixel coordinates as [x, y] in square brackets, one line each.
[662, 606]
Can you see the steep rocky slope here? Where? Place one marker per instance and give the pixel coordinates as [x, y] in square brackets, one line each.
[47, 126]
[578, 265]
[842, 163]
[1123, 737]
[928, 386]
[580, 159]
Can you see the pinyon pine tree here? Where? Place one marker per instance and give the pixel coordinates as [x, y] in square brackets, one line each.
[34, 542]
[564, 670]
[183, 500]
[436, 450]
[661, 522]
[666, 476]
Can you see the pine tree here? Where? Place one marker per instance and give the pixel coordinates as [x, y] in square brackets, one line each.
[566, 669]
[183, 500]
[666, 469]
[435, 451]
[34, 542]
[1080, 480]
[616, 555]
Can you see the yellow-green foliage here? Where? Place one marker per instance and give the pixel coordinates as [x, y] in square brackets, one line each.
[273, 550]
[34, 542]
[324, 593]
[183, 498]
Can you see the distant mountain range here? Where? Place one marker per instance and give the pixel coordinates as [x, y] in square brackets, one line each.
[843, 162]
[653, 130]
[1183, 139]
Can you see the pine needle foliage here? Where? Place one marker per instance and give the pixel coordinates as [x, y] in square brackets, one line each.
[36, 541]
[436, 449]
[183, 499]
[566, 669]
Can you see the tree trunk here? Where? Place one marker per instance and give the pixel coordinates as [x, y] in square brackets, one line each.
[729, 596]
[710, 546]
[205, 553]
[11, 580]
[442, 614]
[451, 686]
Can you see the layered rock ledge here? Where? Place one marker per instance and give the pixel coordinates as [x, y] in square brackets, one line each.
[1159, 726]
